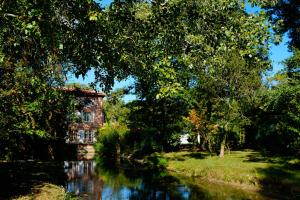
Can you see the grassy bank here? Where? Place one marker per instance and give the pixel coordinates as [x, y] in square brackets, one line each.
[32, 180]
[45, 191]
[247, 169]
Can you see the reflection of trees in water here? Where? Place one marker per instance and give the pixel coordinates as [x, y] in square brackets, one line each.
[161, 187]
[82, 180]
[117, 185]
[104, 181]
[127, 182]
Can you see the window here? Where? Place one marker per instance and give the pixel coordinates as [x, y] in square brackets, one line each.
[87, 116]
[90, 136]
[85, 136]
[94, 136]
[80, 135]
[88, 102]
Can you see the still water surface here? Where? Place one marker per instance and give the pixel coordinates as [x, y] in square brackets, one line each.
[88, 180]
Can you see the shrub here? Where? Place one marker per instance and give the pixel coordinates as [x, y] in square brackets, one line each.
[109, 139]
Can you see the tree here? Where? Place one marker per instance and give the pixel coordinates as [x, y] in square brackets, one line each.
[178, 51]
[175, 47]
[279, 131]
[284, 15]
[112, 135]
[40, 42]
[280, 127]
[115, 109]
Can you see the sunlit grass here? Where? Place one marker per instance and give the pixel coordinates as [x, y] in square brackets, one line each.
[239, 167]
[45, 191]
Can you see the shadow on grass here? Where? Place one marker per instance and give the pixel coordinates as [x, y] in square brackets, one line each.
[188, 155]
[281, 177]
[18, 178]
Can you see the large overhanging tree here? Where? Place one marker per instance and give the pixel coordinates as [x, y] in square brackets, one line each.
[40, 41]
[169, 47]
[213, 48]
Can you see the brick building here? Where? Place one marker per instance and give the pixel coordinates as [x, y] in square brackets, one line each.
[89, 116]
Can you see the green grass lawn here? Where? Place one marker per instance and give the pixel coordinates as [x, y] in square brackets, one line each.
[244, 168]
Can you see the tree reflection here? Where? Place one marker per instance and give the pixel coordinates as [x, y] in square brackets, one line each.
[103, 180]
[128, 182]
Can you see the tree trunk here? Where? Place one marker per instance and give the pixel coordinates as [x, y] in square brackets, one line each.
[118, 147]
[50, 152]
[222, 150]
[198, 138]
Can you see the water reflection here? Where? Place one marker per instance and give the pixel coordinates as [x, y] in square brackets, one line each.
[82, 180]
[89, 180]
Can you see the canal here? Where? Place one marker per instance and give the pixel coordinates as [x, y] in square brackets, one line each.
[92, 180]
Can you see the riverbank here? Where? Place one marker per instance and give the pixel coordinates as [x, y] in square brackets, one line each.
[240, 175]
[244, 169]
[45, 191]
[32, 180]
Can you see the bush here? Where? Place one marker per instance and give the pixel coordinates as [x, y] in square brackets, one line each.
[142, 142]
[109, 140]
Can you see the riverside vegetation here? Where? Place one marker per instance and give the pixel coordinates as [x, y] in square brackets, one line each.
[199, 68]
[249, 170]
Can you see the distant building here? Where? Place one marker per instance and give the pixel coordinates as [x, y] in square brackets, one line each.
[89, 116]
[184, 139]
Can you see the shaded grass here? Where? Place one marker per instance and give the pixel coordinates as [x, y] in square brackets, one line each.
[45, 191]
[22, 178]
[248, 169]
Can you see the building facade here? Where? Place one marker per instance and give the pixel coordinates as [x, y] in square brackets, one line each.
[88, 116]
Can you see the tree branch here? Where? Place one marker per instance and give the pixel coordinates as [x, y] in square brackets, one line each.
[10, 15]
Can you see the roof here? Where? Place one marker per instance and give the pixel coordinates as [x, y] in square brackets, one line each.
[83, 92]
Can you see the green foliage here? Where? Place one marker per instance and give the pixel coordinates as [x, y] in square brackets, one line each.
[157, 123]
[115, 178]
[78, 86]
[208, 55]
[284, 14]
[115, 109]
[279, 125]
[36, 111]
[139, 142]
[182, 52]
[168, 56]
[292, 69]
[39, 43]
[285, 18]
[114, 138]
[280, 128]
[110, 137]
[224, 94]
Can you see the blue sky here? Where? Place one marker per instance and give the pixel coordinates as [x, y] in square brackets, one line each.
[278, 53]
[104, 2]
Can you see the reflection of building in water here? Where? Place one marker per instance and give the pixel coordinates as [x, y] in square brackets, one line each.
[87, 182]
[82, 179]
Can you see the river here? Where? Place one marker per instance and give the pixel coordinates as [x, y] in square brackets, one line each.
[95, 180]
